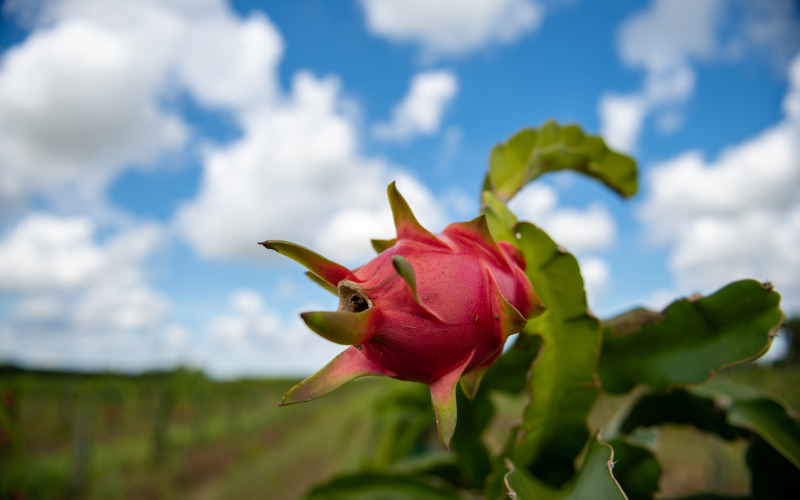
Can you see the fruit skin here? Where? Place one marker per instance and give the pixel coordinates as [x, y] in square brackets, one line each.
[429, 308]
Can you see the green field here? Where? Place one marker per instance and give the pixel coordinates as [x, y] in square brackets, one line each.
[180, 435]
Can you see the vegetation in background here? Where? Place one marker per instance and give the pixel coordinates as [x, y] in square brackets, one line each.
[220, 443]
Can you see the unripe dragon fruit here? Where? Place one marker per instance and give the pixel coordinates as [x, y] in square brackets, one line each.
[429, 308]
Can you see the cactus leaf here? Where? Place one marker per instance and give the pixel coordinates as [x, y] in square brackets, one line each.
[326, 269]
[407, 225]
[371, 483]
[554, 425]
[533, 152]
[349, 365]
[770, 420]
[636, 468]
[677, 406]
[595, 479]
[690, 339]
[443, 397]
[346, 328]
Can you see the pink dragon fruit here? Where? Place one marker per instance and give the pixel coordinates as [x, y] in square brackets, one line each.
[429, 308]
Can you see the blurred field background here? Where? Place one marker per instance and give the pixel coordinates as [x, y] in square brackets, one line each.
[178, 434]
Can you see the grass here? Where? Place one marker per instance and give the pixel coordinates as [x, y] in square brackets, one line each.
[116, 437]
[179, 435]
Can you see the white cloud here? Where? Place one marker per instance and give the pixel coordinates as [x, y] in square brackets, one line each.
[452, 28]
[346, 236]
[669, 36]
[669, 120]
[253, 338]
[791, 103]
[662, 39]
[297, 174]
[47, 251]
[737, 216]
[669, 32]
[222, 59]
[421, 110]
[83, 99]
[772, 26]
[78, 301]
[176, 338]
[449, 149]
[596, 277]
[460, 204]
[250, 320]
[621, 119]
[61, 116]
[673, 84]
[580, 231]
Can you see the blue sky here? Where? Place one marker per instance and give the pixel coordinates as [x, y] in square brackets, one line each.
[146, 146]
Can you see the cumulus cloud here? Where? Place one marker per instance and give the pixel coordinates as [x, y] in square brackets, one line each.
[669, 32]
[622, 117]
[452, 28]
[46, 251]
[596, 277]
[668, 37]
[298, 161]
[662, 40]
[85, 98]
[773, 26]
[421, 110]
[89, 96]
[60, 118]
[77, 299]
[580, 231]
[736, 216]
[251, 337]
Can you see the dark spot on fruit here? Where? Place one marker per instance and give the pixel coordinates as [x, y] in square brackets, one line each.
[358, 304]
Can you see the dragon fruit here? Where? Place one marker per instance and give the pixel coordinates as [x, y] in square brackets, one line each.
[429, 308]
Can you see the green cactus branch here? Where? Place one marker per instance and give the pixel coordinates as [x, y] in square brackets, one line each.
[690, 339]
[533, 152]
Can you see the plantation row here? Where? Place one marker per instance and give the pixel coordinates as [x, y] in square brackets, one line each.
[180, 435]
[72, 435]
